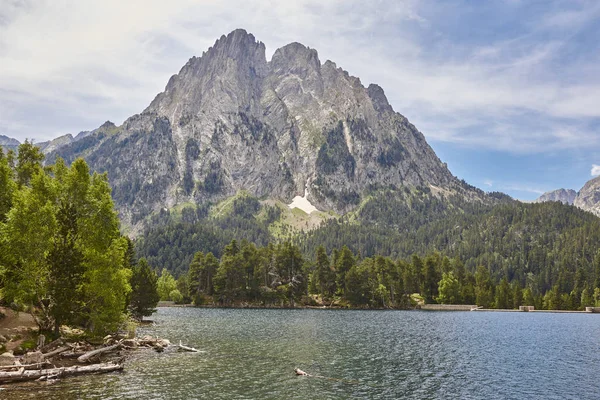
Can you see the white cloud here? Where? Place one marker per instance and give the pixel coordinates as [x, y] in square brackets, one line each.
[68, 66]
[595, 170]
[523, 188]
[488, 182]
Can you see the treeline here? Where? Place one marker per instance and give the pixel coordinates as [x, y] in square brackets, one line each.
[541, 246]
[280, 275]
[62, 256]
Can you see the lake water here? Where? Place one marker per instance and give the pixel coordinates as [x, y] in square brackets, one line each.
[251, 354]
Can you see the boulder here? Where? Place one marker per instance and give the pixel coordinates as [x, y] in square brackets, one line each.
[33, 357]
[129, 343]
[7, 359]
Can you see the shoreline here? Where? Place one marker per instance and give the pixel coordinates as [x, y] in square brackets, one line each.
[425, 308]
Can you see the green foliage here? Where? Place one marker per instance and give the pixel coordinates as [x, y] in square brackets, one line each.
[29, 162]
[334, 153]
[60, 247]
[533, 247]
[449, 289]
[144, 290]
[176, 296]
[165, 285]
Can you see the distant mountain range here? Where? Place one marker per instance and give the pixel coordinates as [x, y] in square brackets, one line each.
[52, 145]
[588, 197]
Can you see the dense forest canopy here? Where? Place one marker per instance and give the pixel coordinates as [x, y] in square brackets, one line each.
[547, 247]
[280, 275]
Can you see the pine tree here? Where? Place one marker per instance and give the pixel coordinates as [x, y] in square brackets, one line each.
[144, 291]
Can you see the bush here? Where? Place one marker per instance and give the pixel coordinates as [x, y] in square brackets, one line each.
[27, 345]
[176, 296]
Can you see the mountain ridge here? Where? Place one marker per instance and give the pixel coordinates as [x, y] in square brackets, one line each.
[230, 120]
[565, 196]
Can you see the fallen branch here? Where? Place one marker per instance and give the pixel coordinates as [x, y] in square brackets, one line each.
[187, 348]
[51, 346]
[56, 352]
[42, 374]
[75, 354]
[85, 357]
[26, 366]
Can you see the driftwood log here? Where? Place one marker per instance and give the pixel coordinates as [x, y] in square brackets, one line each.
[25, 366]
[56, 352]
[187, 348]
[86, 356]
[42, 374]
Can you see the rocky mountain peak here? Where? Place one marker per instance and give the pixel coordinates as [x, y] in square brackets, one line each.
[108, 125]
[380, 101]
[238, 44]
[224, 80]
[8, 141]
[565, 196]
[231, 121]
[295, 58]
[588, 197]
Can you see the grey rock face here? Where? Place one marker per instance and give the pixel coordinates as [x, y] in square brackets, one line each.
[53, 145]
[230, 120]
[565, 196]
[8, 143]
[588, 197]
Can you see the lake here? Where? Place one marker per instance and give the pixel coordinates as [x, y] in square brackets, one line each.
[251, 354]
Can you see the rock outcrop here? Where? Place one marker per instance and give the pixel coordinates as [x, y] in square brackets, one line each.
[8, 143]
[565, 196]
[231, 120]
[588, 197]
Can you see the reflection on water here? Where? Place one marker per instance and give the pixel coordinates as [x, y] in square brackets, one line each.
[251, 354]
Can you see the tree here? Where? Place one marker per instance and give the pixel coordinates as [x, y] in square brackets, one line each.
[289, 266]
[29, 162]
[66, 270]
[357, 284]
[176, 296]
[61, 249]
[165, 285]
[528, 298]
[230, 278]
[7, 187]
[325, 275]
[517, 295]
[345, 261]
[449, 289]
[431, 278]
[504, 298]
[195, 277]
[144, 291]
[587, 300]
[483, 287]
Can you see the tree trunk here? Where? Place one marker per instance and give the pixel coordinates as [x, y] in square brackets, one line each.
[56, 352]
[85, 357]
[25, 375]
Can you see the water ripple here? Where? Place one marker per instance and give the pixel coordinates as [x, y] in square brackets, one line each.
[250, 354]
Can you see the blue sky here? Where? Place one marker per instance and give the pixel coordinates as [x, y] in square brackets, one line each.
[507, 92]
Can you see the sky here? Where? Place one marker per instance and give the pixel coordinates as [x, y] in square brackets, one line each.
[507, 92]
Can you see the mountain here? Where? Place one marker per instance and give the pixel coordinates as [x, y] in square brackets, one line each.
[53, 145]
[8, 143]
[230, 121]
[565, 196]
[588, 197]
